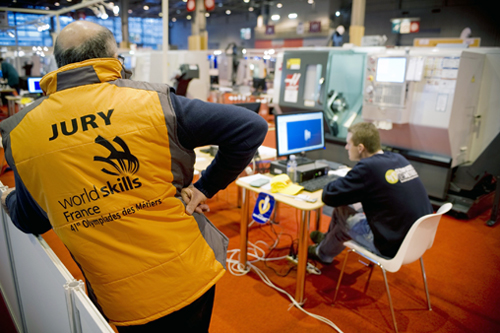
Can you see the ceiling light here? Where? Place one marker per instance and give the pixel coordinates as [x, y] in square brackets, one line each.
[246, 1]
[130, 11]
[228, 12]
[244, 51]
[275, 17]
[11, 34]
[69, 0]
[271, 51]
[160, 14]
[57, 4]
[292, 16]
[146, 7]
[174, 19]
[310, 1]
[279, 5]
[184, 0]
[42, 27]
[207, 14]
[337, 13]
[188, 17]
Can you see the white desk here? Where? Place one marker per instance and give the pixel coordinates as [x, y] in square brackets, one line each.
[306, 209]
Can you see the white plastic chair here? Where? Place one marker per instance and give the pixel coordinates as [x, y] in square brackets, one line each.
[419, 239]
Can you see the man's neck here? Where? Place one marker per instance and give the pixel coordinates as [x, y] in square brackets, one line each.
[366, 154]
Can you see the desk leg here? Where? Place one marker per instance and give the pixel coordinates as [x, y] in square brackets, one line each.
[239, 200]
[244, 227]
[319, 211]
[302, 259]
[274, 218]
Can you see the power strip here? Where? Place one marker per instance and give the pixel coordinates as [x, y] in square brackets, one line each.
[310, 268]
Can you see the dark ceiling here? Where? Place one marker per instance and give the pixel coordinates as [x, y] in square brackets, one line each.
[177, 8]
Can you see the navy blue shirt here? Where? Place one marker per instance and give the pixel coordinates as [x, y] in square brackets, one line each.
[237, 131]
[392, 195]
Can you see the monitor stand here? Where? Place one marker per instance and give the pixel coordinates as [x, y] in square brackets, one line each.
[301, 160]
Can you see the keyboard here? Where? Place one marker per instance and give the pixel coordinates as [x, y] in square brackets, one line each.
[312, 185]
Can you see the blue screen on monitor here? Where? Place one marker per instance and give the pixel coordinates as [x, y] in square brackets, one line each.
[299, 132]
[34, 85]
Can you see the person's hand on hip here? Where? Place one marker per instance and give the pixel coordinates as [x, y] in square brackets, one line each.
[194, 199]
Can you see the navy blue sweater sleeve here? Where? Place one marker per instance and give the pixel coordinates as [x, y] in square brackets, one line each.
[346, 190]
[237, 131]
[24, 212]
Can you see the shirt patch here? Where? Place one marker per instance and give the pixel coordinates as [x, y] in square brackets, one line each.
[407, 173]
[402, 174]
[391, 176]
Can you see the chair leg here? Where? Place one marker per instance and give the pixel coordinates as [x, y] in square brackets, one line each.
[425, 284]
[390, 299]
[341, 274]
[371, 265]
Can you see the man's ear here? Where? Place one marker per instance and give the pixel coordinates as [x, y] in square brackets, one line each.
[361, 148]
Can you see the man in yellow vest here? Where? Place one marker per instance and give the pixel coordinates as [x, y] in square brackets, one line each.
[107, 163]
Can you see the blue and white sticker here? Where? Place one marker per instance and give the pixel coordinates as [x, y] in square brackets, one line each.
[263, 208]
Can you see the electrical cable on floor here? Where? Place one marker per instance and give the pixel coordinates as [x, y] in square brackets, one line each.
[234, 267]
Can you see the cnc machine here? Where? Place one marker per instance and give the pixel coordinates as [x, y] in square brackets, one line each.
[436, 106]
[439, 107]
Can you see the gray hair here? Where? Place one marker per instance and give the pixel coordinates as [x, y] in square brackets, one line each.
[102, 45]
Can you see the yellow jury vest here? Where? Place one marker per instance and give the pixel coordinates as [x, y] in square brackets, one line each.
[99, 163]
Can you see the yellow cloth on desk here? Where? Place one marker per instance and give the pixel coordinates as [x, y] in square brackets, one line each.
[283, 184]
[26, 100]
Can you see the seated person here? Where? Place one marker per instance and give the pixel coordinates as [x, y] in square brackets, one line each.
[9, 74]
[389, 190]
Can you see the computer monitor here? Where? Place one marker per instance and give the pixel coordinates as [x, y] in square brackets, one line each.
[34, 85]
[127, 62]
[259, 84]
[299, 132]
[252, 106]
[391, 69]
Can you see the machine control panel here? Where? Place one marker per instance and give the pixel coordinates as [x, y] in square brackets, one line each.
[385, 81]
[385, 88]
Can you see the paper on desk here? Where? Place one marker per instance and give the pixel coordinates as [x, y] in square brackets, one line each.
[341, 172]
[251, 178]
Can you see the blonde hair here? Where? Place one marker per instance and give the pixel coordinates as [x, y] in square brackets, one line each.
[367, 134]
